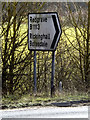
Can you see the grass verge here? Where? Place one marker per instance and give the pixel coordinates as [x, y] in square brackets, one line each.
[37, 100]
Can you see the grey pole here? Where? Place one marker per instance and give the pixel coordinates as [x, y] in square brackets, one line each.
[35, 81]
[53, 71]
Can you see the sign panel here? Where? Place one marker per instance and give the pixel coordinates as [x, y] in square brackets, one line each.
[43, 31]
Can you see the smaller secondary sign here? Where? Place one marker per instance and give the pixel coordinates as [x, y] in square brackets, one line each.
[43, 31]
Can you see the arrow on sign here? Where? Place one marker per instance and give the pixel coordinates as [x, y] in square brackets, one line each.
[57, 31]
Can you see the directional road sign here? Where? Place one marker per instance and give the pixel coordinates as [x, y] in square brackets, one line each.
[44, 31]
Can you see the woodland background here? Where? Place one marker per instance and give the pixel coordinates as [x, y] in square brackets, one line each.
[71, 56]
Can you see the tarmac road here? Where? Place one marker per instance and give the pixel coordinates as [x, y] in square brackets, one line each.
[46, 112]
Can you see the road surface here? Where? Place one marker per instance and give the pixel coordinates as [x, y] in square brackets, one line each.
[46, 112]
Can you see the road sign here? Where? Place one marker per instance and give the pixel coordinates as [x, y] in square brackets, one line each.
[44, 31]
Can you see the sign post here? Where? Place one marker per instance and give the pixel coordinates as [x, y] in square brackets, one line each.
[35, 81]
[44, 32]
[52, 75]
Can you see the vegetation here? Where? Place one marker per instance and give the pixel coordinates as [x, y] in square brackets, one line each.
[40, 100]
[72, 53]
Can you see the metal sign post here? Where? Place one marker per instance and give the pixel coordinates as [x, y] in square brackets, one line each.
[44, 32]
[52, 75]
[35, 81]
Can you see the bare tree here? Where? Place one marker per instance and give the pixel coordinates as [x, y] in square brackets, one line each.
[78, 37]
[15, 54]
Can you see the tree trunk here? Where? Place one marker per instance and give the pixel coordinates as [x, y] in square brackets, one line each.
[13, 52]
[87, 79]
